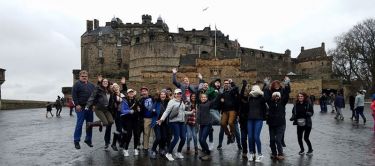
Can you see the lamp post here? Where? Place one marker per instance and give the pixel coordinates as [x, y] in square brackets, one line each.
[2, 79]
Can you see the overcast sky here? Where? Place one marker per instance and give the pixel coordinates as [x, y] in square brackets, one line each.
[40, 40]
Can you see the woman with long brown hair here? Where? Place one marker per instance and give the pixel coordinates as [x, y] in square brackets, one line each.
[302, 112]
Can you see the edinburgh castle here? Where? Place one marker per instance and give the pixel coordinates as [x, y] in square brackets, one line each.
[146, 52]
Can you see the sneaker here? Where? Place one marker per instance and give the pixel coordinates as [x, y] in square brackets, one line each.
[76, 145]
[136, 152]
[169, 156]
[126, 152]
[309, 153]
[153, 155]
[179, 155]
[210, 146]
[196, 150]
[219, 147]
[259, 158]
[206, 158]
[114, 147]
[244, 155]
[106, 146]
[302, 152]
[251, 157]
[89, 143]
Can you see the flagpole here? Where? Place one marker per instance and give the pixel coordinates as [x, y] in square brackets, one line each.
[236, 47]
[215, 40]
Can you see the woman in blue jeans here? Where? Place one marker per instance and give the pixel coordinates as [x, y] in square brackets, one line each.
[256, 115]
[191, 124]
[176, 113]
[204, 119]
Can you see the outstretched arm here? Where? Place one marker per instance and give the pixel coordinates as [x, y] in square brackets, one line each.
[174, 79]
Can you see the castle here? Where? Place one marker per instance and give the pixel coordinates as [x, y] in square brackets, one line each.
[146, 52]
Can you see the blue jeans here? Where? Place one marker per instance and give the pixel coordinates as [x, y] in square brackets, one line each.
[323, 107]
[83, 115]
[254, 127]
[179, 132]
[359, 111]
[191, 134]
[203, 134]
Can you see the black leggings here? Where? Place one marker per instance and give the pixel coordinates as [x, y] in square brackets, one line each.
[300, 131]
[130, 127]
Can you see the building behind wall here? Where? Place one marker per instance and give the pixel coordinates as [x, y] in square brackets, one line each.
[146, 52]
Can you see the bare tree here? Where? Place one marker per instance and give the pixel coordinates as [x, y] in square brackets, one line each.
[354, 56]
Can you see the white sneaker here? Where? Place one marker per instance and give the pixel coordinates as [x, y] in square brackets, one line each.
[210, 145]
[126, 152]
[179, 155]
[258, 159]
[136, 152]
[251, 157]
[169, 156]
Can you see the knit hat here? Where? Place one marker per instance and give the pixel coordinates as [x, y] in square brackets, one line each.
[276, 94]
[256, 91]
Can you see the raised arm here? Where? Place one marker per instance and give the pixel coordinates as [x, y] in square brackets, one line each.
[124, 86]
[174, 79]
[92, 98]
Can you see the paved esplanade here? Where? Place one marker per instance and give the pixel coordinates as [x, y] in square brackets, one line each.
[28, 138]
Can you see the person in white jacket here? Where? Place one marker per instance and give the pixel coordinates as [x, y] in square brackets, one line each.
[359, 104]
[176, 111]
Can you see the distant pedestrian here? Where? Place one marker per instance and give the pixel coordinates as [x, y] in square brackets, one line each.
[302, 112]
[340, 106]
[351, 104]
[81, 92]
[332, 97]
[373, 109]
[323, 103]
[359, 104]
[49, 109]
[71, 106]
[58, 106]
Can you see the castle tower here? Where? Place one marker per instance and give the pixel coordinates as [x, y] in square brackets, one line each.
[146, 19]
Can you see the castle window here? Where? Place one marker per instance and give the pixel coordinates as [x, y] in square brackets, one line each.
[118, 43]
[280, 57]
[271, 56]
[187, 39]
[204, 53]
[171, 38]
[203, 41]
[322, 63]
[152, 37]
[226, 45]
[262, 55]
[120, 34]
[100, 43]
[100, 33]
[100, 53]
[137, 40]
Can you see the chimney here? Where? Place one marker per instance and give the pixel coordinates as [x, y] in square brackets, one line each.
[287, 52]
[323, 46]
[96, 23]
[302, 49]
[88, 25]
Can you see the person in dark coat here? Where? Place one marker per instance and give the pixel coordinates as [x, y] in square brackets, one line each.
[340, 106]
[351, 104]
[323, 103]
[302, 112]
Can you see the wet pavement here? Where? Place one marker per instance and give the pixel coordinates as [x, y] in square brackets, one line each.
[28, 138]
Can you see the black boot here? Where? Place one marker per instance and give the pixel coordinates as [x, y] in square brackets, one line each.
[115, 138]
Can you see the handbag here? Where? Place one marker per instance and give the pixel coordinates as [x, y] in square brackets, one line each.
[215, 117]
[174, 112]
[301, 122]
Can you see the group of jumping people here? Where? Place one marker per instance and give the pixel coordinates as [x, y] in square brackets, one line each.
[174, 116]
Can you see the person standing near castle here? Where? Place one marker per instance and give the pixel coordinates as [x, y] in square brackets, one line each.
[186, 88]
[229, 109]
[351, 104]
[340, 106]
[49, 109]
[146, 104]
[276, 86]
[81, 92]
[101, 99]
[323, 103]
[58, 106]
[71, 106]
[176, 112]
[359, 106]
